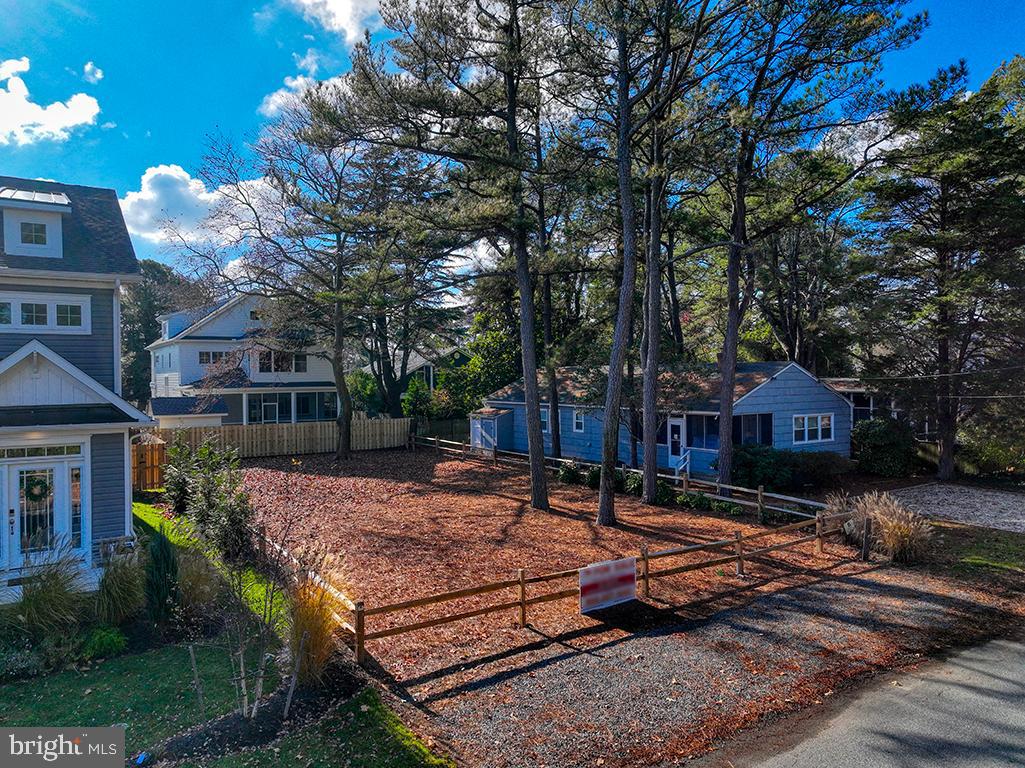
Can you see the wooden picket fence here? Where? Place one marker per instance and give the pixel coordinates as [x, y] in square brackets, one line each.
[260, 440]
[147, 466]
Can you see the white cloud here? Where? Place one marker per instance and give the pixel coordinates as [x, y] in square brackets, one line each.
[108, 125]
[167, 193]
[309, 62]
[273, 103]
[91, 73]
[23, 122]
[348, 17]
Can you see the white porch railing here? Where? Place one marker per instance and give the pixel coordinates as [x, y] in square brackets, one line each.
[682, 463]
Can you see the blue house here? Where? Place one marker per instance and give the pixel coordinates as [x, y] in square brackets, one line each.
[778, 404]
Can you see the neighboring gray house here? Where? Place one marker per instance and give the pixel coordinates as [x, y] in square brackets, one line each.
[219, 351]
[64, 444]
[779, 404]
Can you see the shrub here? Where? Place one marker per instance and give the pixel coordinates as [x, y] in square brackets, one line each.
[161, 584]
[50, 598]
[694, 500]
[204, 485]
[664, 493]
[178, 470]
[594, 476]
[232, 515]
[633, 483]
[884, 447]
[619, 481]
[199, 586]
[726, 508]
[18, 660]
[897, 532]
[312, 609]
[104, 642]
[120, 595]
[785, 470]
[569, 472]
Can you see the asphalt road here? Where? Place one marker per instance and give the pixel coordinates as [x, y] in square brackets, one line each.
[967, 711]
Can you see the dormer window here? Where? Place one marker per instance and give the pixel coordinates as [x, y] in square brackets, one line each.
[33, 233]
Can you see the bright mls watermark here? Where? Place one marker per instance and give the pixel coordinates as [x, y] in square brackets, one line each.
[82, 747]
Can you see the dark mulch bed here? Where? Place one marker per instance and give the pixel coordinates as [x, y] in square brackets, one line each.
[231, 732]
[646, 685]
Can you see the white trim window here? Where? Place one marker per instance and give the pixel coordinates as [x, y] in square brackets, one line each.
[45, 313]
[813, 428]
[213, 357]
[546, 415]
[578, 420]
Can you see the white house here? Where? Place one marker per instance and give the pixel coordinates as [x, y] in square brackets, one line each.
[212, 366]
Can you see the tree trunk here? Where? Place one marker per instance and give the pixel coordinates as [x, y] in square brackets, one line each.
[734, 313]
[535, 439]
[344, 417]
[653, 324]
[624, 313]
[553, 384]
[946, 410]
[674, 295]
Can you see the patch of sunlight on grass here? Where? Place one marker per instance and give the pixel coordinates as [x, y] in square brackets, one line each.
[362, 733]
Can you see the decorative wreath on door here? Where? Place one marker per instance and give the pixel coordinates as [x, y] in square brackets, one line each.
[36, 489]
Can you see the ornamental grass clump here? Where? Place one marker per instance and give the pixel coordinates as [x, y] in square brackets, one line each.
[120, 595]
[161, 582]
[51, 600]
[313, 611]
[897, 532]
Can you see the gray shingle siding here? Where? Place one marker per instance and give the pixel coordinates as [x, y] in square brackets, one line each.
[108, 486]
[93, 353]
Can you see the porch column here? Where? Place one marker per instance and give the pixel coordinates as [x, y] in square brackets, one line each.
[293, 408]
[245, 408]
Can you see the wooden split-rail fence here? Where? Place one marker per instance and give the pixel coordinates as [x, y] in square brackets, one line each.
[522, 587]
[753, 498]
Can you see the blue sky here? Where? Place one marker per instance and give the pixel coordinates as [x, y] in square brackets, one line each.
[132, 89]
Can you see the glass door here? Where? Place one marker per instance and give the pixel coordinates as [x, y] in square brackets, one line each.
[676, 441]
[37, 520]
[270, 412]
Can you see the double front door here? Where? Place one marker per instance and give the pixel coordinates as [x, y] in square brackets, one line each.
[43, 510]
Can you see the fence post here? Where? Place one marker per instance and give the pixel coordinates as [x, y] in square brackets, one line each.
[523, 597]
[360, 632]
[686, 483]
[740, 553]
[818, 532]
[262, 533]
[437, 444]
[761, 504]
[644, 570]
[866, 540]
[494, 456]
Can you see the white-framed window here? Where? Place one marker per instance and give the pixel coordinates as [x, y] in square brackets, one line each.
[545, 419]
[46, 313]
[578, 420]
[813, 428]
[33, 233]
[212, 357]
[277, 361]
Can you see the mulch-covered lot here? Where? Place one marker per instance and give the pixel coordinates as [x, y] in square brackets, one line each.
[645, 685]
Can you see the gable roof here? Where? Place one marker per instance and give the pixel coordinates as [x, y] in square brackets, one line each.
[37, 347]
[695, 389]
[95, 237]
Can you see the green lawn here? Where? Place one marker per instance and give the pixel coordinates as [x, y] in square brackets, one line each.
[150, 692]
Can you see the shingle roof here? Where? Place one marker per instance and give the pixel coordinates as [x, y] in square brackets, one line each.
[695, 389]
[188, 406]
[95, 236]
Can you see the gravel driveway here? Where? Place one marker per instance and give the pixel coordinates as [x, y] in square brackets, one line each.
[967, 504]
